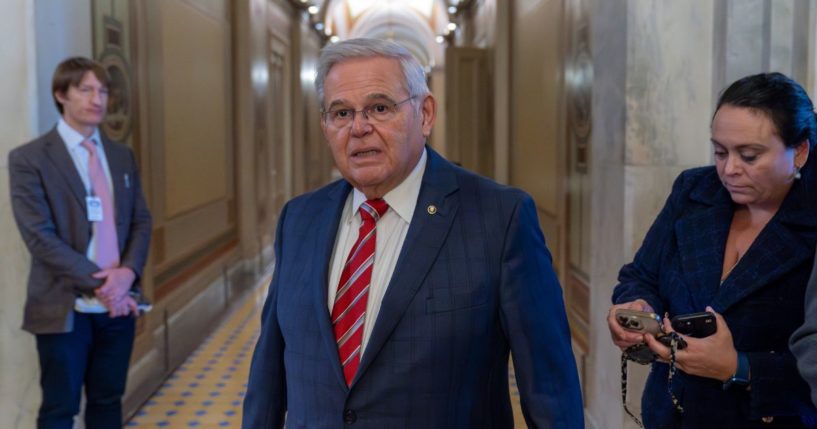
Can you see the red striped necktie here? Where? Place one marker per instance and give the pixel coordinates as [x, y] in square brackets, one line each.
[349, 310]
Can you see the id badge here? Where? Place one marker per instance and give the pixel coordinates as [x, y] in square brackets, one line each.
[94, 206]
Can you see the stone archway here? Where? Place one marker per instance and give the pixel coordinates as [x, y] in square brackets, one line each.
[411, 23]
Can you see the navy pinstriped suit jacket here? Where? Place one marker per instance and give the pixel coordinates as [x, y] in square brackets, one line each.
[678, 270]
[473, 282]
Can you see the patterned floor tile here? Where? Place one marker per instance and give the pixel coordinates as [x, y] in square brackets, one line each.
[206, 391]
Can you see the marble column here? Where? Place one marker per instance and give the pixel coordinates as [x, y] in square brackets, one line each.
[19, 382]
[608, 114]
[37, 36]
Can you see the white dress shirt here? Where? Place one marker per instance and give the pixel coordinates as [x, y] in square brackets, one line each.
[80, 155]
[391, 233]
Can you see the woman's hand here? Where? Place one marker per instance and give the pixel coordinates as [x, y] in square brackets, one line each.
[622, 337]
[711, 357]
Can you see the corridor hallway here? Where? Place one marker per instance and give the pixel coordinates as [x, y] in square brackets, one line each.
[207, 390]
[592, 107]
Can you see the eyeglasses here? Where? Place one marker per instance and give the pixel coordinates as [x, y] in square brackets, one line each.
[377, 112]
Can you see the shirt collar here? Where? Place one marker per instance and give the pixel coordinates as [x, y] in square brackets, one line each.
[71, 137]
[403, 198]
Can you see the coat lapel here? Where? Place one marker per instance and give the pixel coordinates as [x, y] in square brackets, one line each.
[59, 156]
[778, 249]
[423, 242]
[317, 268]
[701, 240]
[775, 252]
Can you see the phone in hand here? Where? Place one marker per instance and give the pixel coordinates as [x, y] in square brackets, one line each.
[639, 321]
[142, 303]
[696, 325]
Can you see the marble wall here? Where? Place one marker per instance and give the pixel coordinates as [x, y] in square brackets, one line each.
[62, 29]
[19, 386]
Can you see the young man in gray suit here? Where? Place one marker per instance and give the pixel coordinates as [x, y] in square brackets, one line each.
[78, 203]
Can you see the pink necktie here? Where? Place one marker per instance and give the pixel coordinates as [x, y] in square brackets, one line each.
[106, 247]
[349, 310]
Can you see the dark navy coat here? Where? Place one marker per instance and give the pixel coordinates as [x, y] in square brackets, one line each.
[678, 270]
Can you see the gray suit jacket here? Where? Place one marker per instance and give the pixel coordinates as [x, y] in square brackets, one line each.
[803, 342]
[48, 200]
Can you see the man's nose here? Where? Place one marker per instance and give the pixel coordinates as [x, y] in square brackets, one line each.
[360, 124]
[97, 97]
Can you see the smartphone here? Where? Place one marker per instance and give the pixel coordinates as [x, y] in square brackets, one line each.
[696, 325]
[142, 303]
[639, 321]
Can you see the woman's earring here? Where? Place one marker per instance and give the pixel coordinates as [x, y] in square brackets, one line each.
[796, 172]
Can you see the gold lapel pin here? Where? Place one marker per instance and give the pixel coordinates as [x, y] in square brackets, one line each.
[432, 209]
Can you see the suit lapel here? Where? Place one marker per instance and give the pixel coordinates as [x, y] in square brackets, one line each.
[116, 167]
[58, 155]
[425, 237]
[317, 269]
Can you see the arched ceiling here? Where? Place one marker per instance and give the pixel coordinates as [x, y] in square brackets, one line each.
[414, 24]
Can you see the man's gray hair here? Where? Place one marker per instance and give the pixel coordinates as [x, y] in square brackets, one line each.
[335, 53]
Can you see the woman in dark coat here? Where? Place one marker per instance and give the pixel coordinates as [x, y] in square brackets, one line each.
[736, 239]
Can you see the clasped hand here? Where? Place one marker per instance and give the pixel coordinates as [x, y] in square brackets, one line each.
[711, 357]
[114, 291]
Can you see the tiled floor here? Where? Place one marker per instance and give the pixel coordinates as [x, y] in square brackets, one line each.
[208, 389]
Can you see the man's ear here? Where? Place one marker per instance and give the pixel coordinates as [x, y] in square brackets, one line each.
[429, 112]
[60, 96]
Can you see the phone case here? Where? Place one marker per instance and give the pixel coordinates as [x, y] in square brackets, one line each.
[639, 321]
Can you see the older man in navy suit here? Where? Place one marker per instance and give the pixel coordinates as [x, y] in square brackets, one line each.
[400, 291]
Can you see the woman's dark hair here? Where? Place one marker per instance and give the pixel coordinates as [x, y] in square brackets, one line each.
[781, 99]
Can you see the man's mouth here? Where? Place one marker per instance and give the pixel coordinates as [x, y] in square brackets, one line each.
[365, 153]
